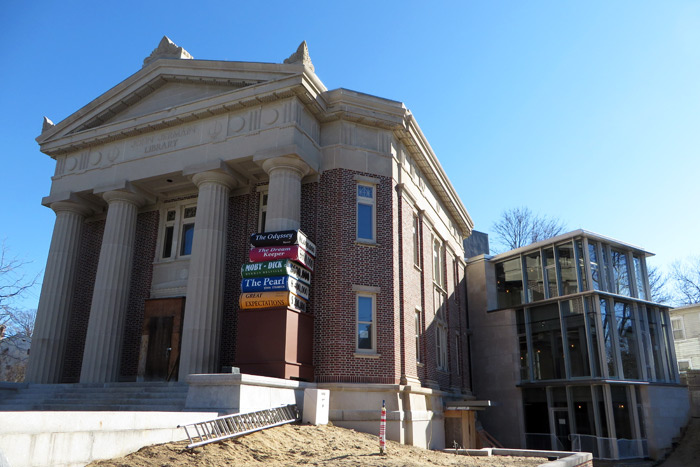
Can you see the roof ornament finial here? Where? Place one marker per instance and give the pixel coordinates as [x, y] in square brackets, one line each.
[301, 56]
[167, 49]
[47, 125]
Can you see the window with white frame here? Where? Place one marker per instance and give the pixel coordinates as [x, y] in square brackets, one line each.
[178, 231]
[262, 216]
[438, 261]
[416, 240]
[366, 212]
[366, 329]
[419, 331]
[678, 328]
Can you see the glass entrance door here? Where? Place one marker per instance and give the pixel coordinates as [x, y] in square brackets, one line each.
[562, 430]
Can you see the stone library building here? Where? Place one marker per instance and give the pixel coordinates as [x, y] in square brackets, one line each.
[213, 215]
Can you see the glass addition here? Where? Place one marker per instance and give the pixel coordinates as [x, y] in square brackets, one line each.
[536, 418]
[522, 344]
[535, 284]
[593, 337]
[627, 339]
[621, 277]
[621, 412]
[608, 329]
[575, 328]
[550, 271]
[639, 277]
[656, 343]
[567, 269]
[646, 351]
[581, 261]
[595, 272]
[509, 283]
[547, 347]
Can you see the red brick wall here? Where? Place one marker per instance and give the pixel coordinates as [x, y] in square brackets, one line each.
[342, 263]
[139, 291]
[89, 255]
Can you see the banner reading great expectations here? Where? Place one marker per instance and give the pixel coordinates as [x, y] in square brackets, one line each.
[255, 300]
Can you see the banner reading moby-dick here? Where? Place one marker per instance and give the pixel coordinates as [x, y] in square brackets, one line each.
[269, 284]
[283, 237]
[294, 252]
[256, 300]
[278, 267]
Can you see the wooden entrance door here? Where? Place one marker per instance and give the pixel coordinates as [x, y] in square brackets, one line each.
[160, 339]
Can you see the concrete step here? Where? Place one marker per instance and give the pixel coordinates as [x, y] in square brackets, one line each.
[97, 397]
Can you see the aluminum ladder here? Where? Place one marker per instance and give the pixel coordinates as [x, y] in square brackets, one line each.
[239, 424]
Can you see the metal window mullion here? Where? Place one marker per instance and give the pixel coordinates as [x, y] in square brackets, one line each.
[662, 344]
[587, 263]
[564, 341]
[570, 409]
[602, 353]
[632, 398]
[610, 419]
[617, 354]
[528, 340]
[589, 341]
[641, 357]
[632, 275]
[650, 348]
[675, 376]
[577, 262]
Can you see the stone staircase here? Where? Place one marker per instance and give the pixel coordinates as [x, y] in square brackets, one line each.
[155, 397]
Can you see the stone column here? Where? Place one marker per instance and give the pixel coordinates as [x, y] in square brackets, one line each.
[284, 192]
[53, 314]
[205, 285]
[103, 343]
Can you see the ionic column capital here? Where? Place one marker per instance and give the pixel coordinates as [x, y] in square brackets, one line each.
[220, 178]
[125, 197]
[288, 163]
[71, 206]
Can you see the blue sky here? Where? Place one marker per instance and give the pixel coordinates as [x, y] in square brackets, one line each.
[587, 111]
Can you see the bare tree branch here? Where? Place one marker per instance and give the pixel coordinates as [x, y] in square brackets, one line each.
[658, 286]
[519, 226]
[686, 278]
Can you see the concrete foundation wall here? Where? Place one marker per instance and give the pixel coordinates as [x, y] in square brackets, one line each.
[62, 439]
[666, 411]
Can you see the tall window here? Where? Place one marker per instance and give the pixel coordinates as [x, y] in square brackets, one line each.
[441, 343]
[366, 212]
[438, 262]
[419, 332]
[416, 242]
[366, 323]
[178, 232]
[262, 217]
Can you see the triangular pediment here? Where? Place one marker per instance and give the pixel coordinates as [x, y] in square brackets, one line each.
[169, 87]
[160, 94]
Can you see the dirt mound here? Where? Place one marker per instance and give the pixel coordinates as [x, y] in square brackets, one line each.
[291, 445]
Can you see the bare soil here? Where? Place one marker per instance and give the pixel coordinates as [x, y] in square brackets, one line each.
[291, 445]
[687, 453]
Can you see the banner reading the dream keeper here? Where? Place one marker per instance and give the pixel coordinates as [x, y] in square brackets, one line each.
[279, 267]
[258, 300]
[270, 284]
[283, 237]
[294, 252]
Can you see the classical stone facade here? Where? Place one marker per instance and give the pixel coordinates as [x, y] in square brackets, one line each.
[159, 183]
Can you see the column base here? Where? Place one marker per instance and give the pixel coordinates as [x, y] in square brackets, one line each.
[275, 342]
